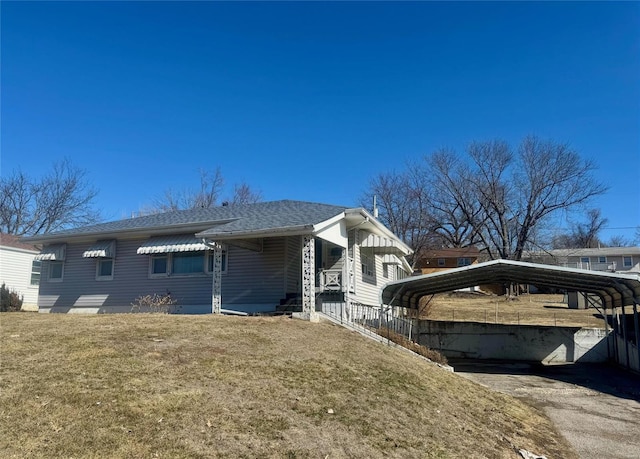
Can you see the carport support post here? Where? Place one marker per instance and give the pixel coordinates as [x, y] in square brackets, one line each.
[636, 327]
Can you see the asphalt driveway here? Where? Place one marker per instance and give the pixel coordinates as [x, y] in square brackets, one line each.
[595, 406]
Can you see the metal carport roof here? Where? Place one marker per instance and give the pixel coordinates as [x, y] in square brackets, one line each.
[614, 289]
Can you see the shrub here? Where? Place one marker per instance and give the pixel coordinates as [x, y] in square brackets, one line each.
[392, 336]
[161, 304]
[10, 300]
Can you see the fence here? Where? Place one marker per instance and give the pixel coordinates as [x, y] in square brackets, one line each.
[369, 318]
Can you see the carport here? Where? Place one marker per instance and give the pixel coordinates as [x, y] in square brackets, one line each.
[616, 292]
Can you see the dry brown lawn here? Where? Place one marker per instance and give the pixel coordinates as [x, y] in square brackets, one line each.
[152, 385]
[529, 309]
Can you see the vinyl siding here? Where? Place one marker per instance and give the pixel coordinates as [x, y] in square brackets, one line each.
[15, 272]
[293, 265]
[255, 278]
[366, 292]
[252, 278]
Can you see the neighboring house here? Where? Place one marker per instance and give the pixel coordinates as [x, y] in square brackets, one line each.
[611, 259]
[19, 270]
[435, 260]
[249, 258]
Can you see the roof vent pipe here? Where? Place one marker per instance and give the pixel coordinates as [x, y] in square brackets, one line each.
[375, 207]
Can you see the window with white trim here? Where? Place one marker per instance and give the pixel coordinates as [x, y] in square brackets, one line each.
[56, 271]
[36, 267]
[368, 266]
[602, 259]
[464, 261]
[627, 262]
[104, 269]
[184, 264]
[385, 270]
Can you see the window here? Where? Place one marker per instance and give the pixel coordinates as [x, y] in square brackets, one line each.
[368, 266]
[627, 262]
[159, 264]
[602, 259]
[184, 264]
[210, 262]
[187, 263]
[464, 261]
[36, 266]
[104, 269]
[56, 269]
[385, 270]
[584, 261]
[442, 262]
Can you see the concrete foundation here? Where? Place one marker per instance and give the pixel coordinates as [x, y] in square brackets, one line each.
[473, 340]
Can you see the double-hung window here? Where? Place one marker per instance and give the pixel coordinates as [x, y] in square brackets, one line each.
[627, 262]
[36, 266]
[368, 265]
[56, 271]
[104, 269]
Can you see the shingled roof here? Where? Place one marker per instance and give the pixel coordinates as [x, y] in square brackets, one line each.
[232, 218]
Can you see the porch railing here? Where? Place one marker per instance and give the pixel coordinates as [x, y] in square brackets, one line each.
[370, 318]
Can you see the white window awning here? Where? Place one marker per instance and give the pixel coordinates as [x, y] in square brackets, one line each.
[391, 259]
[55, 252]
[171, 244]
[101, 249]
[381, 244]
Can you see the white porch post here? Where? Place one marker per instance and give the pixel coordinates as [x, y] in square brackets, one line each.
[216, 288]
[308, 276]
[346, 283]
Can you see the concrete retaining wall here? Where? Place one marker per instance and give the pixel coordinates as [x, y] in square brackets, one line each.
[515, 342]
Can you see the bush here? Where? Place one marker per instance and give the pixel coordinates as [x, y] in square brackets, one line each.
[432, 355]
[161, 304]
[10, 300]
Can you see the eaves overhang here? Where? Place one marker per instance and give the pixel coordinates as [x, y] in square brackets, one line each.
[614, 289]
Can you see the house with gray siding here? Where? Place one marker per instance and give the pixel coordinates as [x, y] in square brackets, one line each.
[264, 257]
[609, 259]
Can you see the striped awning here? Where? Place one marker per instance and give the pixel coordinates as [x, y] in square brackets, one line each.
[170, 244]
[101, 249]
[381, 244]
[55, 252]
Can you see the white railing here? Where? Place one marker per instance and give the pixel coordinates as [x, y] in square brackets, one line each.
[609, 266]
[331, 280]
[371, 318]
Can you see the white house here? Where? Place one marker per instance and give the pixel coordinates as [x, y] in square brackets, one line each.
[19, 270]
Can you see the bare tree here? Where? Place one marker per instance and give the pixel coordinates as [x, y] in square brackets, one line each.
[495, 197]
[583, 234]
[402, 199]
[207, 195]
[243, 194]
[61, 199]
[507, 196]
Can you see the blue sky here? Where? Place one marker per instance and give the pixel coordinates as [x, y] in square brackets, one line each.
[309, 101]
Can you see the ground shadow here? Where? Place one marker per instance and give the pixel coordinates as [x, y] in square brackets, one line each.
[601, 377]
